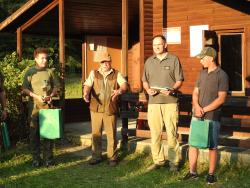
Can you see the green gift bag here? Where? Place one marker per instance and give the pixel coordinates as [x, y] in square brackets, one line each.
[50, 123]
[5, 135]
[199, 133]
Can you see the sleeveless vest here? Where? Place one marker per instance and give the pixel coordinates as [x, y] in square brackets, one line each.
[100, 97]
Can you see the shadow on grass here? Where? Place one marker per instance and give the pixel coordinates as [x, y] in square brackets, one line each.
[17, 162]
[73, 171]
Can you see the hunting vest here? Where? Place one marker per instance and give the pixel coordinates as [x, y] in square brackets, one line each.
[100, 97]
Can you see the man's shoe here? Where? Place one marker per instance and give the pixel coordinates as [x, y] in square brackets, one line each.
[211, 179]
[190, 176]
[50, 163]
[112, 163]
[94, 161]
[36, 164]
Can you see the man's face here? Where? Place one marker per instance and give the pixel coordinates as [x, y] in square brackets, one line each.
[159, 45]
[105, 66]
[205, 61]
[41, 60]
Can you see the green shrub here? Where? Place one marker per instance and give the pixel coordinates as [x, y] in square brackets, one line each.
[13, 72]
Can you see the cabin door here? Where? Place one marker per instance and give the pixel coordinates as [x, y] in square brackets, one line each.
[93, 45]
[231, 50]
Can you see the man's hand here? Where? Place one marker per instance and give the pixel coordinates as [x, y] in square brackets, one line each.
[115, 94]
[198, 111]
[37, 97]
[4, 115]
[151, 91]
[86, 97]
[47, 99]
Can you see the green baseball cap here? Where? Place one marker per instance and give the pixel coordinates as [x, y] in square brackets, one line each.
[207, 51]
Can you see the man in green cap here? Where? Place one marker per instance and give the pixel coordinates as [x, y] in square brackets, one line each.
[40, 84]
[102, 89]
[209, 94]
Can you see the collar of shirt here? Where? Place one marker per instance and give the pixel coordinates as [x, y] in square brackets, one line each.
[105, 74]
[214, 71]
[156, 58]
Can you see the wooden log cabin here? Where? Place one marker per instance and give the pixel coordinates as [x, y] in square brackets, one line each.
[125, 29]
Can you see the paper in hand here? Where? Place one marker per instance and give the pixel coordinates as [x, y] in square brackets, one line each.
[162, 88]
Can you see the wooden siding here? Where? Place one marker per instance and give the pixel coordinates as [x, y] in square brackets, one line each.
[113, 45]
[141, 48]
[148, 28]
[134, 67]
[217, 14]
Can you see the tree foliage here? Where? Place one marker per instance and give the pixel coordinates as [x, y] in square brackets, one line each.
[13, 72]
[7, 7]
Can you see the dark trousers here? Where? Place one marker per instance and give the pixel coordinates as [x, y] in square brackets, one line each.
[35, 141]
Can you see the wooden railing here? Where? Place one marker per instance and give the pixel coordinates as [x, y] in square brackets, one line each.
[235, 119]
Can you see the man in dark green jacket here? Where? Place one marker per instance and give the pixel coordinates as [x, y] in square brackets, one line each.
[40, 84]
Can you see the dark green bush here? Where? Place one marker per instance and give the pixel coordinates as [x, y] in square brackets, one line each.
[13, 72]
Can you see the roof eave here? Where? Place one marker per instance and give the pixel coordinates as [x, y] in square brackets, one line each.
[17, 13]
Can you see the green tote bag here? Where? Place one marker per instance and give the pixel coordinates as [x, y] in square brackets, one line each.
[5, 135]
[199, 133]
[50, 123]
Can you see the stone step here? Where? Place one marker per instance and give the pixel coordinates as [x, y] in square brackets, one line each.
[80, 134]
[226, 154]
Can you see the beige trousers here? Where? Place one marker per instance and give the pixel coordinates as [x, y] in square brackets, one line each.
[98, 122]
[158, 116]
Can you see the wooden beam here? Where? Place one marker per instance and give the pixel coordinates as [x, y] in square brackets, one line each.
[16, 14]
[141, 32]
[124, 69]
[40, 14]
[124, 37]
[62, 52]
[84, 60]
[19, 43]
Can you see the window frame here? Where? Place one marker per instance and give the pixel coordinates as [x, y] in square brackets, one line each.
[232, 31]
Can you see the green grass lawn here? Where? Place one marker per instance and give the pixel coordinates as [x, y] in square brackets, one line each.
[73, 86]
[74, 171]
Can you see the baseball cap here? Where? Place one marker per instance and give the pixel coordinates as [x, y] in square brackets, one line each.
[103, 56]
[207, 51]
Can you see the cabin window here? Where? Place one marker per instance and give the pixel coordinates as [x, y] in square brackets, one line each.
[231, 60]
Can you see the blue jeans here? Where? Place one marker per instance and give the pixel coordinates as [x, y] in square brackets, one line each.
[214, 134]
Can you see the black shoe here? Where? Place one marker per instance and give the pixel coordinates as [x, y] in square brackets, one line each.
[50, 163]
[95, 161]
[112, 163]
[211, 179]
[36, 164]
[190, 176]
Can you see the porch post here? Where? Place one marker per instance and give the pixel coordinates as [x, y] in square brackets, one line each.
[124, 37]
[141, 13]
[19, 43]
[62, 54]
[124, 130]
